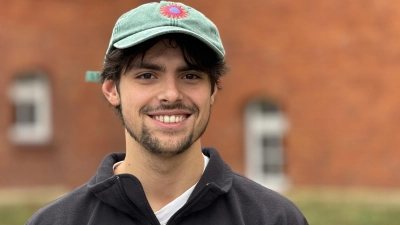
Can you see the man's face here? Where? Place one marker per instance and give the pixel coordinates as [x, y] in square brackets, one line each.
[165, 104]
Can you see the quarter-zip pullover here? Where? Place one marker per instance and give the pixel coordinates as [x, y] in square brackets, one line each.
[220, 197]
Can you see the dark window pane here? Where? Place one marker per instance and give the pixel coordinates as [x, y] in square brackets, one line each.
[270, 153]
[25, 113]
[267, 107]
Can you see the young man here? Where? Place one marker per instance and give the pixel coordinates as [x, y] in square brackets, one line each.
[161, 73]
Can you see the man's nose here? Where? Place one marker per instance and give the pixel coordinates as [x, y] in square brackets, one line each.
[170, 91]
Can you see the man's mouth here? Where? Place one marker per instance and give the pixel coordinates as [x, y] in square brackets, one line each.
[170, 118]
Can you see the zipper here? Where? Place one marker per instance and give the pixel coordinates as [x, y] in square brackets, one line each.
[130, 205]
[188, 203]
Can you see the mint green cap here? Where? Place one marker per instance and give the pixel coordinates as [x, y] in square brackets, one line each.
[158, 18]
[154, 19]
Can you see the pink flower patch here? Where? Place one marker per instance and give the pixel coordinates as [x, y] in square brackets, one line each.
[174, 11]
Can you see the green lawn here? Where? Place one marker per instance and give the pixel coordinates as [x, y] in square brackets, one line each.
[333, 213]
[16, 214]
[319, 208]
[348, 206]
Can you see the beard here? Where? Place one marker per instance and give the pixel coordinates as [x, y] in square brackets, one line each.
[154, 145]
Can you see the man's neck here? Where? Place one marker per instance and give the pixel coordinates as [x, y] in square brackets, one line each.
[164, 178]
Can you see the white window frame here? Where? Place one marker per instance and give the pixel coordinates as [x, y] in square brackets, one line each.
[258, 125]
[31, 88]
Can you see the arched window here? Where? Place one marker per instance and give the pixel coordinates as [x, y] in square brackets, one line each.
[31, 101]
[265, 127]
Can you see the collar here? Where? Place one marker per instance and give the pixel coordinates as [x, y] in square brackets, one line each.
[125, 192]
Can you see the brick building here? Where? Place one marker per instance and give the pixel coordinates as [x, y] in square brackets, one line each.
[312, 97]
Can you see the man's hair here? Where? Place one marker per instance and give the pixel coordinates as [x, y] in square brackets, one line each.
[197, 55]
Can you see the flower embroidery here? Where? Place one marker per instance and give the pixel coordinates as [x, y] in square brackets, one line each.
[174, 11]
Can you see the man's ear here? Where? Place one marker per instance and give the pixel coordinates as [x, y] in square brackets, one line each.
[109, 89]
[214, 94]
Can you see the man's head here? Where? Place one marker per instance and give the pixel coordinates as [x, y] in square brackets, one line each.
[169, 42]
[139, 29]
[196, 54]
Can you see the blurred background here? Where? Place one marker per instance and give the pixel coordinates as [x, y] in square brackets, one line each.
[311, 107]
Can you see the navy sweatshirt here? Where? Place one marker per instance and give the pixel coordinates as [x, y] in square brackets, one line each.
[220, 197]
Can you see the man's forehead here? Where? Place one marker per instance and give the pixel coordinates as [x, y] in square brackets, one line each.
[154, 58]
[160, 47]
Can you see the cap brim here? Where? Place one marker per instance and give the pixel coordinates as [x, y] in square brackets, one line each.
[142, 36]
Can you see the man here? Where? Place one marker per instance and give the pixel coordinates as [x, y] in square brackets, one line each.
[161, 73]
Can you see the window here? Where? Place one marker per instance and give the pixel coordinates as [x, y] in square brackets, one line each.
[31, 102]
[265, 127]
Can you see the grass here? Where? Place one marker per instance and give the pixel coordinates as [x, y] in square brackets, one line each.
[17, 205]
[16, 214]
[348, 207]
[326, 213]
[320, 207]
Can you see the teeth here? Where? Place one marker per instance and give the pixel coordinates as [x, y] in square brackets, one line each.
[170, 119]
[166, 119]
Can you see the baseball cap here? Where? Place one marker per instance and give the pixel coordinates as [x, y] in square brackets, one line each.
[158, 18]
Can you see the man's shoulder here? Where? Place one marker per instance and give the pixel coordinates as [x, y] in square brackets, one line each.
[72, 203]
[251, 189]
[256, 197]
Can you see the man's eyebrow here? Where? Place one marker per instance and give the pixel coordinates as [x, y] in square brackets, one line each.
[156, 67]
[186, 68]
[144, 65]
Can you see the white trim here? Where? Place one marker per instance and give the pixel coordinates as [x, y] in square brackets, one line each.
[260, 125]
[34, 91]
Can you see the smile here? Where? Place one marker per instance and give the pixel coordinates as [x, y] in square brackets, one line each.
[170, 118]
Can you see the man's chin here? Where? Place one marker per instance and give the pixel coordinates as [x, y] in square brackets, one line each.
[165, 152]
[169, 147]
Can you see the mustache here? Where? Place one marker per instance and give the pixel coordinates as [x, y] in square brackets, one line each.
[149, 109]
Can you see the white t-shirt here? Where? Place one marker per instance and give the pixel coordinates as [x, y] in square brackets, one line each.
[164, 214]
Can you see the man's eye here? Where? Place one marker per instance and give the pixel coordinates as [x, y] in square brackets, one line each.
[146, 76]
[190, 76]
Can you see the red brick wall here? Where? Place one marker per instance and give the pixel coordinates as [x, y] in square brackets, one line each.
[332, 66]
[64, 39]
